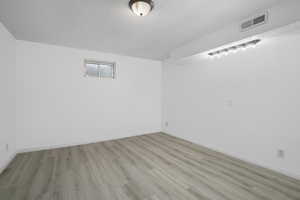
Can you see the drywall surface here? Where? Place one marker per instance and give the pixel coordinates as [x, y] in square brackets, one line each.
[57, 105]
[244, 104]
[7, 103]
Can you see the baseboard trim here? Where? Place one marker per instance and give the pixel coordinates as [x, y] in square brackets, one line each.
[8, 161]
[280, 171]
[57, 146]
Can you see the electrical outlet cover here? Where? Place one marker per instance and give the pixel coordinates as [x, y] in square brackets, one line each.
[280, 153]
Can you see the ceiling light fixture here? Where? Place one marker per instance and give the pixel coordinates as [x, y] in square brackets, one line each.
[234, 49]
[141, 7]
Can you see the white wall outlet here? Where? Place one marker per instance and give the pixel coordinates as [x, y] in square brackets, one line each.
[166, 124]
[280, 153]
[7, 147]
[229, 103]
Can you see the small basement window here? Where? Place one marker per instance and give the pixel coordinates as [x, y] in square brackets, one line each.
[100, 69]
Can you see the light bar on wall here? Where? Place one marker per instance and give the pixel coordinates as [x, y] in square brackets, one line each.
[233, 49]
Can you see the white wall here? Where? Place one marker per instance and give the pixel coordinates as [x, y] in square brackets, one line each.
[7, 99]
[263, 87]
[57, 105]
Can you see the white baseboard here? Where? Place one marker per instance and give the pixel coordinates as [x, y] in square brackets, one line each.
[56, 146]
[7, 162]
[32, 149]
[280, 171]
[49, 147]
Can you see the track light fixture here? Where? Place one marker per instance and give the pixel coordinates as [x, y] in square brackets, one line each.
[234, 48]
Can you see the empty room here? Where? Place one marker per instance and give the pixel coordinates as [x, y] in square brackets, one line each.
[150, 100]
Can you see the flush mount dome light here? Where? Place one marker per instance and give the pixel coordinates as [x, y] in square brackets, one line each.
[141, 7]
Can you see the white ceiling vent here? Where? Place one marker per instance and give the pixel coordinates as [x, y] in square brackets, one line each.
[254, 22]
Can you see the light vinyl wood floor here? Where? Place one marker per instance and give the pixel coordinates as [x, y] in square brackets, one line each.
[148, 167]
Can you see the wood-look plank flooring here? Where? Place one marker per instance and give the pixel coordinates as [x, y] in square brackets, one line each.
[149, 167]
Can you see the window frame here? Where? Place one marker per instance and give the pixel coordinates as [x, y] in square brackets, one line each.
[96, 62]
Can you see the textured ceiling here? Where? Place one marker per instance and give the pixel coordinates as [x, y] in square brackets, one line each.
[109, 25]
